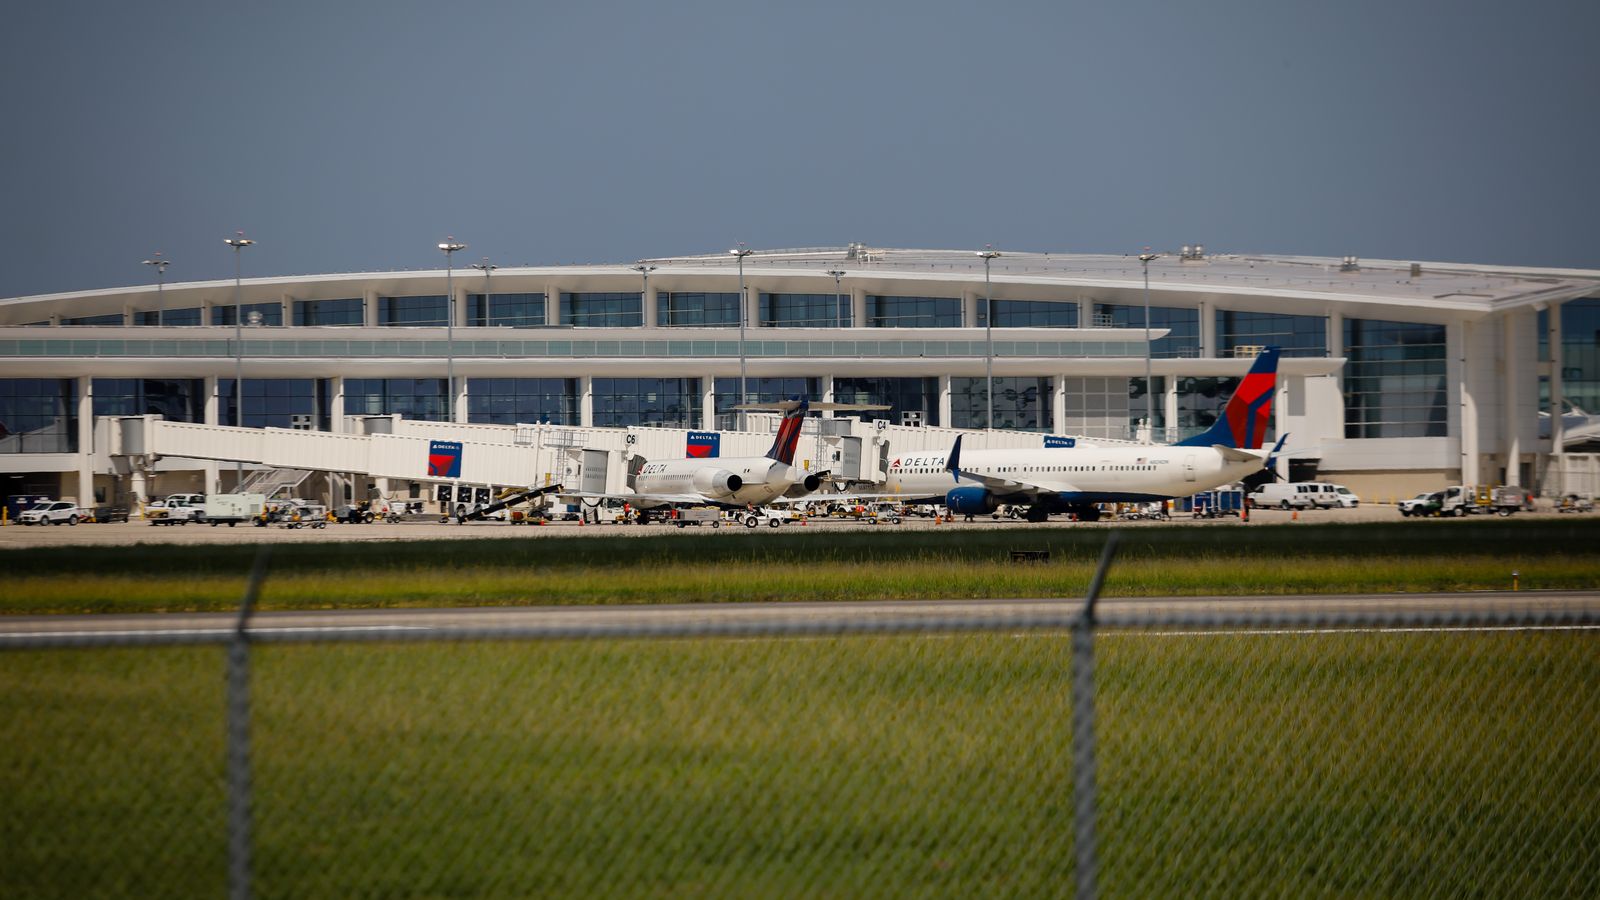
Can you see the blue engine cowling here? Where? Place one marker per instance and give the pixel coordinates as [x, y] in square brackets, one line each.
[971, 501]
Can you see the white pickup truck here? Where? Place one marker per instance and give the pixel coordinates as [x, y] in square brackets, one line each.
[177, 509]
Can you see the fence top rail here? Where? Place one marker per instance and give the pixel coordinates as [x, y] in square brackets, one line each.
[1540, 611]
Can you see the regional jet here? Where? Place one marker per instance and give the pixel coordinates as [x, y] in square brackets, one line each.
[733, 481]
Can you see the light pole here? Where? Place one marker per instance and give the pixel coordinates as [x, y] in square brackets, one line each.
[741, 252]
[450, 246]
[1149, 386]
[161, 277]
[838, 297]
[238, 242]
[644, 292]
[988, 253]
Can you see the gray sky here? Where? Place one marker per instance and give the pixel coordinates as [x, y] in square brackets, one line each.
[354, 136]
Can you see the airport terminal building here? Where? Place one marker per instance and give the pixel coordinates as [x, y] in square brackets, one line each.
[1396, 376]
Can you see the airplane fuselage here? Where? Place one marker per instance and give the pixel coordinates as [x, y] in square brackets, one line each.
[734, 481]
[1073, 475]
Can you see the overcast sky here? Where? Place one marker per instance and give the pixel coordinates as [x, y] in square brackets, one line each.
[353, 136]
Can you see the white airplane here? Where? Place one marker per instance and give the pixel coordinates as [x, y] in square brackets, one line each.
[732, 481]
[1060, 480]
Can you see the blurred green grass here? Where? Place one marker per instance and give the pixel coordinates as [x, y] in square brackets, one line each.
[1237, 765]
[815, 565]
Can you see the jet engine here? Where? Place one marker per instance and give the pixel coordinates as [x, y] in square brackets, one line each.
[971, 501]
[802, 488]
[717, 482]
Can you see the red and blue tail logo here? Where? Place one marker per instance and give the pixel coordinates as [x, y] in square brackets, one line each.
[788, 434]
[1244, 420]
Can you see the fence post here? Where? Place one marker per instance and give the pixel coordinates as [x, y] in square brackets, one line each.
[1083, 749]
[238, 759]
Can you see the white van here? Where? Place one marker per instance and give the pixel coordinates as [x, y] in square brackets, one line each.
[1282, 495]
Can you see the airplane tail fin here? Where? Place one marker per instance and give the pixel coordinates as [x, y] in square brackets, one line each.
[788, 437]
[1244, 420]
[952, 463]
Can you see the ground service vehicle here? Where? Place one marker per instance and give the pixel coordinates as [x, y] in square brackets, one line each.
[110, 514]
[51, 512]
[697, 516]
[1466, 499]
[231, 509]
[1284, 495]
[177, 509]
[768, 517]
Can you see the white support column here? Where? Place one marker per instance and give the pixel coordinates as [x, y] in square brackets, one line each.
[85, 452]
[369, 308]
[552, 304]
[459, 401]
[752, 308]
[1514, 402]
[858, 307]
[1208, 329]
[1085, 313]
[1058, 403]
[1169, 403]
[458, 310]
[708, 403]
[970, 301]
[647, 304]
[336, 422]
[1557, 395]
[827, 395]
[286, 309]
[1468, 417]
[944, 402]
[1335, 337]
[213, 416]
[586, 401]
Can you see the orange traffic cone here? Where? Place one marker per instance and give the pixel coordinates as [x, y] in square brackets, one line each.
[1294, 516]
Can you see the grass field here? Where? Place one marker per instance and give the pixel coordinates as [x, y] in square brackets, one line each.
[796, 565]
[1230, 765]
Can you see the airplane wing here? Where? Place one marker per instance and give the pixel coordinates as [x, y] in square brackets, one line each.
[637, 498]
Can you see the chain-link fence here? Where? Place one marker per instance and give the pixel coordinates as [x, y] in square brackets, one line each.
[1214, 748]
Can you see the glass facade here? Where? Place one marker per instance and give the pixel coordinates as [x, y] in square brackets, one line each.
[1580, 354]
[1394, 382]
[1297, 335]
[509, 310]
[329, 312]
[190, 316]
[805, 310]
[1097, 407]
[602, 309]
[176, 399]
[1183, 338]
[275, 402]
[271, 314]
[913, 312]
[678, 309]
[917, 396]
[38, 415]
[1200, 403]
[1020, 403]
[513, 401]
[668, 402]
[422, 310]
[1030, 313]
[760, 390]
[412, 398]
[107, 319]
[1139, 405]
